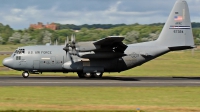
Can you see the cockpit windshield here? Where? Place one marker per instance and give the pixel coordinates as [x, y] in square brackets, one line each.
[18, 51]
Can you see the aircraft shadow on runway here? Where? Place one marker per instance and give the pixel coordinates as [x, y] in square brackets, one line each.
[103, 78]
[195, 78]
[75, 78]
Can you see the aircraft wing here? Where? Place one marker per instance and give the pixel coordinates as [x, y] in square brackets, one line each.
[109, 40]
[109, 47]
[111, 43]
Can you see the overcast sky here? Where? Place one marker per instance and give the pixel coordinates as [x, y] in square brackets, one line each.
[20, 13]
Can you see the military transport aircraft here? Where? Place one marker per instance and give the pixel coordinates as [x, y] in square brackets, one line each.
[92, 59]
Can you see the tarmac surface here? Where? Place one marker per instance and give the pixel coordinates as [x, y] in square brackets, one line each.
[104, 82]
[5, 53]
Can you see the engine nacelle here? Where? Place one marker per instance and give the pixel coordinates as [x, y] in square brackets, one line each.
[86, 46]
[73, 66]
[99, 55]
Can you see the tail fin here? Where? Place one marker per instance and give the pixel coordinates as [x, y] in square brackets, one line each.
[177, 32]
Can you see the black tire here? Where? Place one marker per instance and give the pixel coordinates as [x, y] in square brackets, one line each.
[25, 74]
[98, 75]
[80, 75]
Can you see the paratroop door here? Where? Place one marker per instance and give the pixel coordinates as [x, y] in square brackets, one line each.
[53, 60]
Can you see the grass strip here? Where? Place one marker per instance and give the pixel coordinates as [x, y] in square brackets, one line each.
[150, 99]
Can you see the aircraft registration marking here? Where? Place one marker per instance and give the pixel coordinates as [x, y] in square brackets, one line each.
[178, 31]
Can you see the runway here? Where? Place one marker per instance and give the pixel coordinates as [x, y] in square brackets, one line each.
[104, 82]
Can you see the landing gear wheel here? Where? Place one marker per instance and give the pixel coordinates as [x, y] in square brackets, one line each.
[25, 74]
[80, 74]
[87, 75]
[98, 75]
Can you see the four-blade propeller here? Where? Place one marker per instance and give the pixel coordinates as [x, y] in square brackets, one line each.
[70, 47]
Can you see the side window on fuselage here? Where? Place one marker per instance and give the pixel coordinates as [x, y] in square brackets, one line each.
[18, 57]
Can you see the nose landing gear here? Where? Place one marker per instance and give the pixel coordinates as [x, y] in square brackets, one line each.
[25, 74]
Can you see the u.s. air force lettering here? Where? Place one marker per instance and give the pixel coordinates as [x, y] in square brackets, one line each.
[39, 52]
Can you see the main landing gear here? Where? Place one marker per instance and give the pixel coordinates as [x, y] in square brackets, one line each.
[25, 74]
[89, 75]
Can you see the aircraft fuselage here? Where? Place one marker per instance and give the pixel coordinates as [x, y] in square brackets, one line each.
[52, 59]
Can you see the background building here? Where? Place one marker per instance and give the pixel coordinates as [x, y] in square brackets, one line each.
[40, 25]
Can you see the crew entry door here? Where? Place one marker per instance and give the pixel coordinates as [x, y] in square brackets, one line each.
[36, 64]
[22, 64]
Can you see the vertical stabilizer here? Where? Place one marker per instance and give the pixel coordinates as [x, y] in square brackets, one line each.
[177, 31]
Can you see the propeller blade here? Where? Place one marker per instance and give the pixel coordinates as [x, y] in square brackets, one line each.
[69, 57]
[71, 38]
[74, 40]
[66, 48]
[67, 40]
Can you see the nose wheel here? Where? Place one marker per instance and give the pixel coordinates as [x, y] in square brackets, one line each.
[25, 74]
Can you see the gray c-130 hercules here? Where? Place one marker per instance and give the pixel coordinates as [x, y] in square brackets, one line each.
[92, 59]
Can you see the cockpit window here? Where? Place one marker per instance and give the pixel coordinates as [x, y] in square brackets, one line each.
[20, 51]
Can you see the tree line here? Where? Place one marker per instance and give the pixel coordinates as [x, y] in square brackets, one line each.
[133, 33]
[93, 26]
[107, 26]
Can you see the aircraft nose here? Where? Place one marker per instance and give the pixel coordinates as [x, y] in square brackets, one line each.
[8, 62]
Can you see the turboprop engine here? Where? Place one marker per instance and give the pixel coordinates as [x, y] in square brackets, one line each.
[101, 56]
